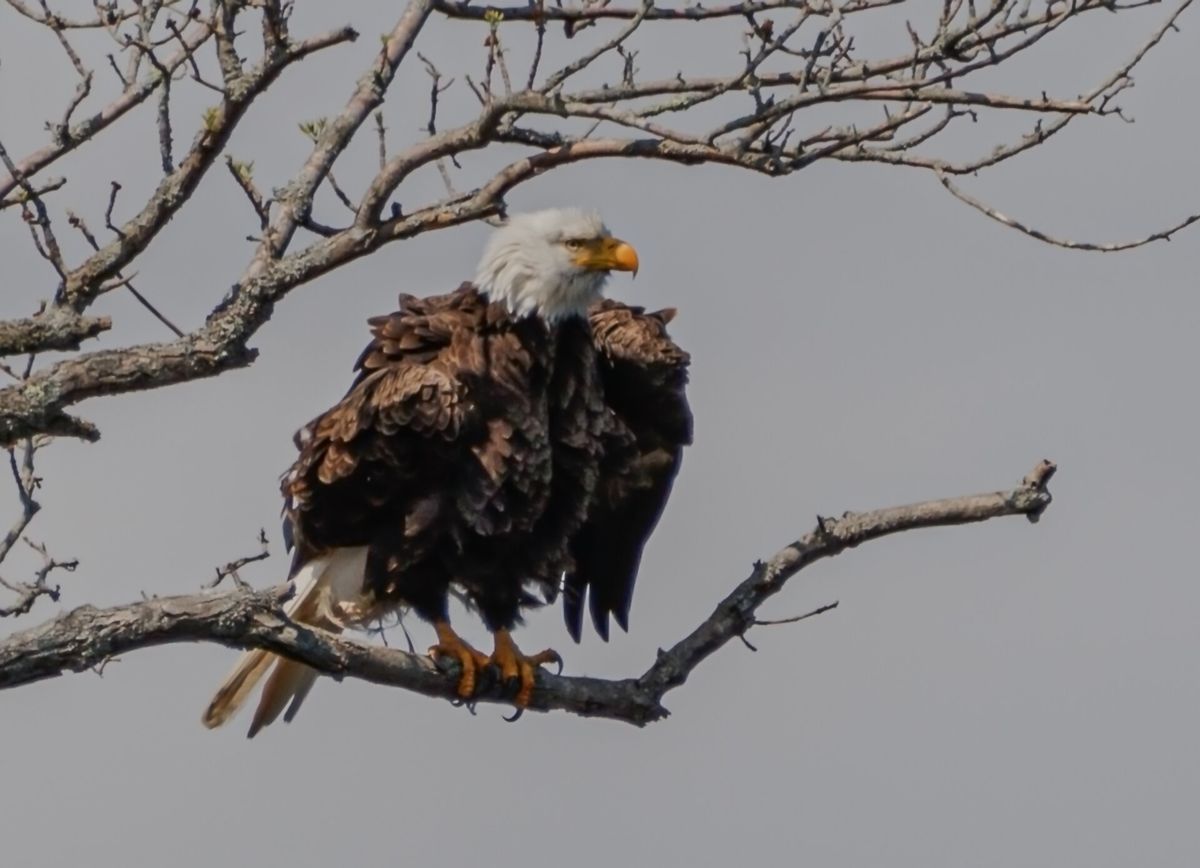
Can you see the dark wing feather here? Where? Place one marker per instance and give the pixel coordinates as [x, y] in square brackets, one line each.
[437, 458]
[644, 375]
[374, 463]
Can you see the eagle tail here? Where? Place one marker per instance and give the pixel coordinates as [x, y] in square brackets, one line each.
[326, 588]
[286, 687]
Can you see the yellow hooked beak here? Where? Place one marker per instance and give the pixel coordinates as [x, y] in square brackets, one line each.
[608, 254]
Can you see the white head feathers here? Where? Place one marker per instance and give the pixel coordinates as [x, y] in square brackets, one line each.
[551, 263]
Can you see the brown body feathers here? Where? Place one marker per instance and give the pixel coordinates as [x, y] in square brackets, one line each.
[497, 453]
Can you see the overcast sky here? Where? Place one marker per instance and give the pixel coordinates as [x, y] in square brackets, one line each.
[1003, 694]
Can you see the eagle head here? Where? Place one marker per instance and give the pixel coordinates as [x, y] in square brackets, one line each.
[552, 263]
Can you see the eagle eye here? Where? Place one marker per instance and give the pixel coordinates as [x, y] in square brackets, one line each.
[573, 244]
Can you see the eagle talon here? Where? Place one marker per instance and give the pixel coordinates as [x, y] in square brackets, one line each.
[468, 704]
[470, 660]
[516, 666]
[546, 657]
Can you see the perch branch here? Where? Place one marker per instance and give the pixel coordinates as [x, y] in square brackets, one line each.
[84, 637]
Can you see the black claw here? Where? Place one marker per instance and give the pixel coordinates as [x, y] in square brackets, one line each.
[515, 717]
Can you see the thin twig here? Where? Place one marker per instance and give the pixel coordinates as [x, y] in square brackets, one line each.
[114, 189]
[758, 622]
[38, 219]
[381, 131]
[120, 280]
[230, 570]
[1108, 247]
[243, 174]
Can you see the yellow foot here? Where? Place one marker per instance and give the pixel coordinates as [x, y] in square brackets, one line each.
[451, 645]
[515, 666]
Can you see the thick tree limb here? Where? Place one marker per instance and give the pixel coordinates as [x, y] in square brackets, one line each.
[56, 328]
[35, 405]
[86, 637]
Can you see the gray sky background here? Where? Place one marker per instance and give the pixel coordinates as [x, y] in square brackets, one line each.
[1004, 694]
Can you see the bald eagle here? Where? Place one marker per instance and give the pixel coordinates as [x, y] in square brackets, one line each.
[510, 440]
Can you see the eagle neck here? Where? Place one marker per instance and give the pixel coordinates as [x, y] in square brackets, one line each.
[528, 290]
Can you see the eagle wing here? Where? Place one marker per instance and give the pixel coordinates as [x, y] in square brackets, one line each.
[377, 465]
[644, 375]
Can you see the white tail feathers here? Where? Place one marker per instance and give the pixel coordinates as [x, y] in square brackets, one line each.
[329, 594]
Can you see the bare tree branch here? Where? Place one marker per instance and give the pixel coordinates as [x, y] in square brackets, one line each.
[88, 129]
[86, 636]
[54, 329]
[27, 482]
[689, 12]
[80, 285]
[110, 17]
[120, 280]
[29, 592]
[1098, 247]
[230, 570]
[367, 97]
[821, 67]
[35, 406]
